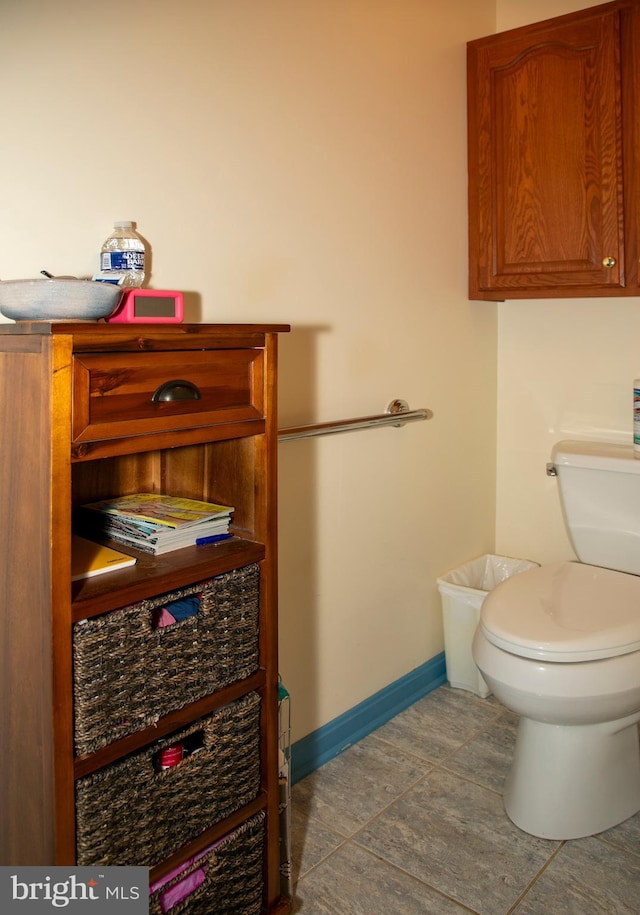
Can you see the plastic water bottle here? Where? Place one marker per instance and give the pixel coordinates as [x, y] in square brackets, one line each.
[122, 257]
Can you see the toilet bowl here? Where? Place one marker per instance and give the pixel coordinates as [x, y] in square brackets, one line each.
[560, 646]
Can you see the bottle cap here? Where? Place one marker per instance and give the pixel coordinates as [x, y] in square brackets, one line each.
[170, 756]
[123, 224]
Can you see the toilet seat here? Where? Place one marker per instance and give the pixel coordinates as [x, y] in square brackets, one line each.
[565, 612]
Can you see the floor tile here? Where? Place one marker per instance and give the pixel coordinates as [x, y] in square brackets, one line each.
[410, 821]
[352, 788]
[455, 836]
[354, 882]
[626, 836]
[487, 758]
[586, 877]
[311, 841]
[436, 726]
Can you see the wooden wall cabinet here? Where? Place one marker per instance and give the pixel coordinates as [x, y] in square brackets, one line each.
[79, 424]
[554, 157]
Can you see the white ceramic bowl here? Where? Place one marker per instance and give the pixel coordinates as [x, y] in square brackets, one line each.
[58, 299]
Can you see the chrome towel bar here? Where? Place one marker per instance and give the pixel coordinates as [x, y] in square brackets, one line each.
[396, 414]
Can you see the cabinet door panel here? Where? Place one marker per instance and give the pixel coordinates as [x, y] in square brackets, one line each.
[545, 148]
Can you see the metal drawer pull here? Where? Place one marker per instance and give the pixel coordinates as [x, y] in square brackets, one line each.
[176, 390]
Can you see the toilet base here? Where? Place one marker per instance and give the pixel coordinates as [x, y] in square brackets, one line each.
[572, 781]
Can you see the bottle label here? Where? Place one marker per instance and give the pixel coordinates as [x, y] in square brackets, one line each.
[170, 756]
[123, 261]
[636, 418]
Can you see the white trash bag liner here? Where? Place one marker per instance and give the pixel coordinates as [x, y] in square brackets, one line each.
[481, 575]
[462, 592]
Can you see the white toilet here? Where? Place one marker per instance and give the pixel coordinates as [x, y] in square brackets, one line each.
[560, 646]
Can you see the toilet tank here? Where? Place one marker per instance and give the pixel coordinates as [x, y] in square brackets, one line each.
[600, 495]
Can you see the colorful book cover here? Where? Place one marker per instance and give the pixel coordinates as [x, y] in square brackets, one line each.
[89, 559]
[158, 509]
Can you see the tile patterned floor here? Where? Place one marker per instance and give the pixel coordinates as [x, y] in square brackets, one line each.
[410, 822]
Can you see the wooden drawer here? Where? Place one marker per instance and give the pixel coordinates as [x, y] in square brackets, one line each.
[121, 394]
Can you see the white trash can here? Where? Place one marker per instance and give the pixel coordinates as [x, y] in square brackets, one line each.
[462, 592]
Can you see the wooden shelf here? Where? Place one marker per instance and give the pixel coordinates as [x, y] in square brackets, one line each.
[157, 574]
[81, 423]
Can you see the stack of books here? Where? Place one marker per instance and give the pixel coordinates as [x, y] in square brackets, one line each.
[157, 523]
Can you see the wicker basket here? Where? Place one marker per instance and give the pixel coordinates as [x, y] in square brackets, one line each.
[128, 672]
[229, 875]
[129, 813]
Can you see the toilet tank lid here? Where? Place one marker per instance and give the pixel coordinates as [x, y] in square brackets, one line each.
[595, 456]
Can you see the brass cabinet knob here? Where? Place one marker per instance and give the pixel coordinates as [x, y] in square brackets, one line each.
[608, 262]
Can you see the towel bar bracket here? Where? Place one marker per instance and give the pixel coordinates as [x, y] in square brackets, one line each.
[397, 407]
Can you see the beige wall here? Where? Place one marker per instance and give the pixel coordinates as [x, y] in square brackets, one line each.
[565, 370]
[300, 161]
[304, 161]
[513, 13]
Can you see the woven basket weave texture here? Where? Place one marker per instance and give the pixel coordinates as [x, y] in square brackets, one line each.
[233, 876]
[131, 813]
[128, 672]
